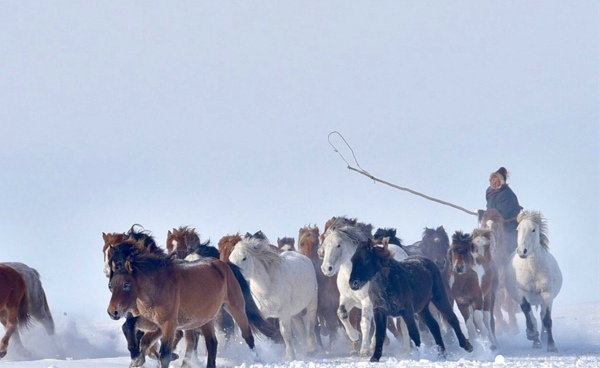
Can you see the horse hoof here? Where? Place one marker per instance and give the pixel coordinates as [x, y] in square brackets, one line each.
[2, 354]
[532, 335]
[374, 359]
[537, 344]
[468, 347]
[137, 362]
[552, 349]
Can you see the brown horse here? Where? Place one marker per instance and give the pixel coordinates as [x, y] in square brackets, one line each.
[134, 327]
[174, 294]
[226, 245]
[329, 295]
[493, 220]
[185, 242]
[14, 304]
[471, 284]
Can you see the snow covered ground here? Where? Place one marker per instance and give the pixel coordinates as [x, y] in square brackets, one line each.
[86, 344]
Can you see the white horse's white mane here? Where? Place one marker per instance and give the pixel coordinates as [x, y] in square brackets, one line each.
[261, 251]
[540, 221]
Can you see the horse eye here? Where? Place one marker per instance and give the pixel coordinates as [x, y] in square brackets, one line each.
[126, 286]
[533, 231]
[243, 259]
[339, 245]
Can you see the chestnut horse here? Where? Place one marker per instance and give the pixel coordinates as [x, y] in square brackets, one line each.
[329, 295]
[471, 284]
[401, 289]
[493, 220]
[175, 294]
[14, 304]
[226, 245]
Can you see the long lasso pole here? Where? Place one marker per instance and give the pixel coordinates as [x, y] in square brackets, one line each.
[364, 172]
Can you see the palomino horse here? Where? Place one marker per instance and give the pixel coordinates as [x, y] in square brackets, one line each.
[286, 243]
[471, 285]
[36, 296]
[284, 285]
[226, 245]
[14, 304]
[329, 295]
[492, 219]
[175, 294]
[339, 244]
[402, 289]
[533, 275]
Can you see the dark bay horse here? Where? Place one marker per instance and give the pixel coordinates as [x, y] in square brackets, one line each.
[286, 243]
[472, 283]
[401, 289]
[174, 294]
[329, 295]
[14, 304]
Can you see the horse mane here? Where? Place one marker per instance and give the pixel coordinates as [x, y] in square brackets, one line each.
[258, 245]
[487, 233]
[460, 237]
[380, 248]
[538, 218]
[128, 257]
[350, 230]
[145, 239]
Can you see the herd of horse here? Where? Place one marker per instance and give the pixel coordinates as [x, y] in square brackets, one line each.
[299, 292]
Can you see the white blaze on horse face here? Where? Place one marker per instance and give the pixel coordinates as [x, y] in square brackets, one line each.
[480, 244]
[333, 250]
[480, 272]
[106, 263]
[174, 244]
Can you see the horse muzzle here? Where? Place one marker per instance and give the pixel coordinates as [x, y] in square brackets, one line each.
[115, 315]
[459, 269]
[356, 284]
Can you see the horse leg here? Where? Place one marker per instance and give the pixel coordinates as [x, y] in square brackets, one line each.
[191, 345]
[380, 328]
[444, 307]
[411, 326]
[434, 328]
[10, 324]
[169, 331]
[365, 326]
[311, 318]
[133, 336]
[352, 333]
[531, 324]
[511, 308]
[18, 344]
[208, 331]
[286, 332]
[546, 316]
[488, 318]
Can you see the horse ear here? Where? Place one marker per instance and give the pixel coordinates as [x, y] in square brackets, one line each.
[385, 242]
[169, 233]
[393, 232]
[128, 266]
[104, 236]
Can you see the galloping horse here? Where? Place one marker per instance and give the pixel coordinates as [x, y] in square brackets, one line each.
[533, 275]
[402, 289]
[36, 298]
[493, 220]
[134, 327]
[175, 294]
[185, 242]
[434, 244]
[340, 242]
[14, 304]
[329, 295]
[471, 284]
[284, 284]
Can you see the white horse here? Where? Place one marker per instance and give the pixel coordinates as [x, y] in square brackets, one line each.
[339, 244]
[283, 286]
[533, 275]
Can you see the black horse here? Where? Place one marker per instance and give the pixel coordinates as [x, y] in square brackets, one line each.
[401, 289]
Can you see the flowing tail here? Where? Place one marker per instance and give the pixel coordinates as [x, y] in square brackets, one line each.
[24, 316]
[256, 320]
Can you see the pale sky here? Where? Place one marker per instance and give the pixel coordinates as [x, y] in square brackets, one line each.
[216, 115]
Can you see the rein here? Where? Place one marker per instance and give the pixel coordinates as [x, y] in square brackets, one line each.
[364, 172]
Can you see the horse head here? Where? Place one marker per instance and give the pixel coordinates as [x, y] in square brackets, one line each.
[308, 241]
[461, 252]
[226, 245]
[110, 240]
[531, 233]
[286, 244]
[366, 261]
[483, 240]
[390, 233]
[341, 240]
[435, 244]
[121, 283]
